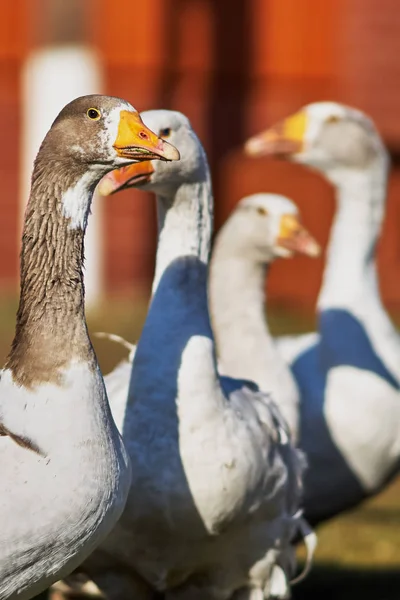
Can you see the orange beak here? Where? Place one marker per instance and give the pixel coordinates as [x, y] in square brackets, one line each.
[130, 176]
[136, 141]
[295, 238]
[281, 140]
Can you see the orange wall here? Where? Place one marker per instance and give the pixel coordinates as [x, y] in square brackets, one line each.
[233, 66]
[12, 47]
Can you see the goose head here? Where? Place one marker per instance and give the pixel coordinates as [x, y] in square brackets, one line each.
[103, 130]
[329, 137]
[91, 136]
[267, 226]
[154, 176]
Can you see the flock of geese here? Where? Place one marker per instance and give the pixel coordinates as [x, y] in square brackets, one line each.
[180, 473]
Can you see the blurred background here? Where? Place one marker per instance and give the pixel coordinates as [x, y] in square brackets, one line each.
[233, 66]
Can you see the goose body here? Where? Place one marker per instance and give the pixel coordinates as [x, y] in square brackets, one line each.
[216, 482]
[261, 228]
[349, 372]
[65, 471]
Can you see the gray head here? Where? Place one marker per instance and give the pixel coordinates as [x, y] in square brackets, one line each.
[94, 131]
[326, 136]
[264, 227]
[155, 176]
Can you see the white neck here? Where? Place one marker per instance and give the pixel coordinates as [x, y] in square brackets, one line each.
[245, 345]
[177, 344]
[184, 226]
[237, 299]
[350, 277]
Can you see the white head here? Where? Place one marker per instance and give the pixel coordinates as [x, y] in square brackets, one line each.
[158, 177]
[327, 136]
[264, 227]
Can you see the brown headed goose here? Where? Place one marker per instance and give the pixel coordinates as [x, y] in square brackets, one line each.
[65, 472]
[348, 373]
[216, 485]
[263, 227]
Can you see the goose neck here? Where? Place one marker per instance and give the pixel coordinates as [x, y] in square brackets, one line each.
[245, 346]
[185, 221]
[51, 326]
[178, 318]
[350, 272]
[237, 301]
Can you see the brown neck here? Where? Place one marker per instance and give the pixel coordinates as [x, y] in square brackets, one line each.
[51, 327]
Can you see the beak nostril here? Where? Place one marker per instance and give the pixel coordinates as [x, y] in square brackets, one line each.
[143, 135]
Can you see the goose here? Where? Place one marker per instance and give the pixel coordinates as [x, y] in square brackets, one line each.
[216, 482]
[349, 372]
[261, 228]
[66, 473]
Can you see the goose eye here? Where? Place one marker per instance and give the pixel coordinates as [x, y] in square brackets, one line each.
[93, 114]
[332, 119]
[166, 132]
[261, 210]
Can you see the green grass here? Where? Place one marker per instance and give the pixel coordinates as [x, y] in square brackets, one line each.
[358, 553]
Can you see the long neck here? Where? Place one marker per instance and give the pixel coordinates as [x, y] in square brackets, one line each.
[237, 301]
[350, 278]
[51, 327]
[185, 224]
[177, 343]
[245, 345]
[184, 240]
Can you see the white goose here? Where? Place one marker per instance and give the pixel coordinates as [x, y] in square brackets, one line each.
[65, 472]
[348, 374]
[261, 228]
[216, 483]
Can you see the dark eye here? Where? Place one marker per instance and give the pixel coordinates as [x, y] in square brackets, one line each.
[166, 132]
[261, 210]
[332, 119]
[93, 114]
